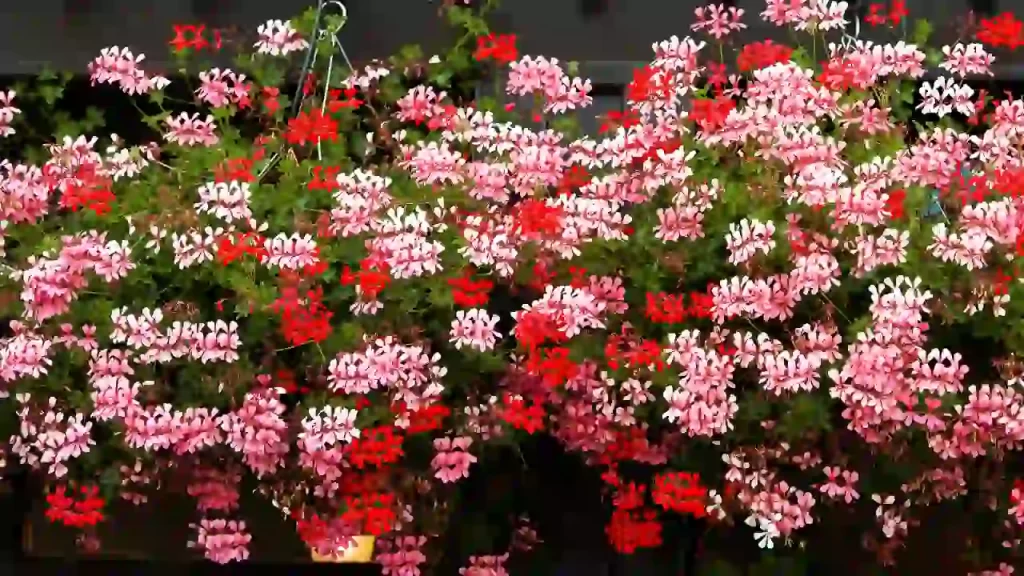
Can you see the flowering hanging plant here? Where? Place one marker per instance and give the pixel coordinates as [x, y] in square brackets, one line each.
[736, 301]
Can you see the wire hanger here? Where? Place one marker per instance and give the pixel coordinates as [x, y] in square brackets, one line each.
[320, 32]
[849, 41]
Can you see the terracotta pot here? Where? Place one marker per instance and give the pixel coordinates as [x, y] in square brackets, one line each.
[361, 551]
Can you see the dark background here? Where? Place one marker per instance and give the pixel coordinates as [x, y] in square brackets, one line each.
[69, 33]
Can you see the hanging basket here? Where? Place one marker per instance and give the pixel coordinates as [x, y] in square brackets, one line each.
[361, 551]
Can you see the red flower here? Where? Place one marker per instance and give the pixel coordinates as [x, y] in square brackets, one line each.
[469, 293]
[1010, 182]
[615, 119]
[541, 277]
[647, 85]
[533, 329]
[86, 511]
[286, 379]
[1001, 283]
[716, 75]
[680, 492]
[634, 355]
[303, 319]
[335, 103]
[630, 497]
[552, 365]
[270, 99]
[651, 154]
[628, 444]
[375, 447]
[191, 36]
[575, 178]
[309, 84]
[894, 204]
[324, 178]
[501, 48]
[839, 74]
[231, 248]
[522, 416]
[711, 114]
[757, 55]
[898, 12]
[629, 530]
[311, 127]
[427, 418]
[1003, 30]
[700, 304]
[86, 188]
[579, 277]
[372, 278]
[536, 219]
[239, 169]
[875, 16]
[665, 308]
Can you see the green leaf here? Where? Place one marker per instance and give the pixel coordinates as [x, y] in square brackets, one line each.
[922, 31]
[93, 119]
[47, 74]
[442, 78]
[157, 97]
[802, 58]
[51, 93]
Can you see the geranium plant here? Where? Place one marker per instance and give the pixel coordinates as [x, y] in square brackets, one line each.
[781, 282]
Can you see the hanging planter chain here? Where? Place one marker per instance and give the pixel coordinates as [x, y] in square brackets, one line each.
[320, 31]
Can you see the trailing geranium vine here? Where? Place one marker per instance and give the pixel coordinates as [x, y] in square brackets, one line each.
[759, 293]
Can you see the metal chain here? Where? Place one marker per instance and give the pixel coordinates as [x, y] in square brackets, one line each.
[848, 40]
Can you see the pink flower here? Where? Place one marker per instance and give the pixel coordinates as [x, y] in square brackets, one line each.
[402, 556]
[290, 252]
[718, 20]
[967, 59]
[278, 38]
[215, 489]
[223, 87]
[222, 541]
[258, 432]
[452, 460]
[474, 328]
[7, 112]
[119, 66]
[189, 130]
[485, 566]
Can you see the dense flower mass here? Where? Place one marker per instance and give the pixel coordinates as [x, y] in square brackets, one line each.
[755, 297]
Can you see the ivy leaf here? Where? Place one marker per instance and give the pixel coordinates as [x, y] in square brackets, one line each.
[157, 97]
[93, 120]
[922, 31]
[51, 93]
[802, 58]
[442, 78]
[47, 74]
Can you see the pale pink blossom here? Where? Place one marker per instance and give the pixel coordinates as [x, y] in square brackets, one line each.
[222, 541]
[474, 328]
[190, 130]
[278, 38]
[452, 459]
